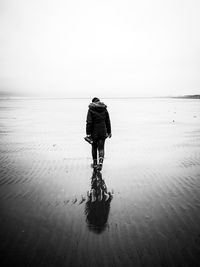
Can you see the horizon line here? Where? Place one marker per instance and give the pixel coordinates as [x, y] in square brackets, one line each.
[120, 97]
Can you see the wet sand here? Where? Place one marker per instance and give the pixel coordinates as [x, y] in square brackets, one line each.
[53, 212]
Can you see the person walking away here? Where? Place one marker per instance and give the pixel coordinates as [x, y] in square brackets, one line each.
[98, 128]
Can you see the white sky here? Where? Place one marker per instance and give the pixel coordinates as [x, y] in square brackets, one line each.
[105, 48]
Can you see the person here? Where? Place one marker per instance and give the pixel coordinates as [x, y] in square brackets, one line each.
[98, 128]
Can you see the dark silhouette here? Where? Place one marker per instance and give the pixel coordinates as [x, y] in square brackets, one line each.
[98, 128]
[98, 205]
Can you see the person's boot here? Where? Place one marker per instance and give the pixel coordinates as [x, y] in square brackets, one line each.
[94, 164]
[100, 165]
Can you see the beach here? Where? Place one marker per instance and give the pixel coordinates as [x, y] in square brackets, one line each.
[151, 170]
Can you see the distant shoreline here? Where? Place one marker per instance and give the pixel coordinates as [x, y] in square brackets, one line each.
[187, 97]
[136, 97]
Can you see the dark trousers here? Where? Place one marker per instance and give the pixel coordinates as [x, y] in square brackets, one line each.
[98, 145]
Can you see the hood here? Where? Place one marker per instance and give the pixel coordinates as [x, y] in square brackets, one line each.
[97, 106]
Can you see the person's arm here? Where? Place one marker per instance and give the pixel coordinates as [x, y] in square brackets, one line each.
[89, 123]
[108, 124]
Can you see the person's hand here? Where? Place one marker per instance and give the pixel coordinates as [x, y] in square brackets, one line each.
[110, 135]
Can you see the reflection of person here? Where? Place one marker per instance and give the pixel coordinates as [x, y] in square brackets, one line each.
[98, 205]
[98, 127]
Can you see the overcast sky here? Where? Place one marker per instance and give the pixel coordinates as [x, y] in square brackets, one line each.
[100, 47]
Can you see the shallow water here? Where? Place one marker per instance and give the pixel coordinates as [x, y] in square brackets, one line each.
[149, 215]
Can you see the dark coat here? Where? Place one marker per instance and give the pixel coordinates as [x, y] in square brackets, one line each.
[98, 121]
